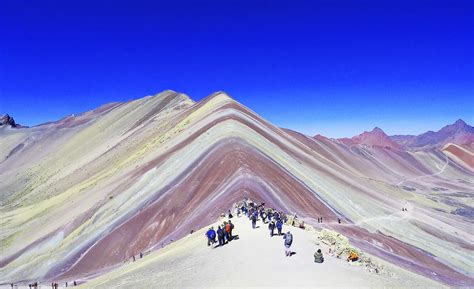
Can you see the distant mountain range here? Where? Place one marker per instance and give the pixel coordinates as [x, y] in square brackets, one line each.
[459, 133]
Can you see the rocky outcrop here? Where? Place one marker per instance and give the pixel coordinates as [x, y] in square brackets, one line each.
[7, 120]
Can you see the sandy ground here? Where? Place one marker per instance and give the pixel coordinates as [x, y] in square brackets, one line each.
[255, 260]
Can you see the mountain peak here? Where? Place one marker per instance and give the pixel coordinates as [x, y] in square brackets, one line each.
[7, 120]
[377, 130]
[221, 94]
[218, 98]
[460, 123]
[375, 138]
[178, 95]
[457, 125]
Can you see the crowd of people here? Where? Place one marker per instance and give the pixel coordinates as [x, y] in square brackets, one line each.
[275, 219]
[223, 233]
[35, 285]
[254, 211]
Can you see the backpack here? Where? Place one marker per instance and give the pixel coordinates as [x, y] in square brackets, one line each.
[212, 234]
[279, 225]
[288, 239]
[231, 226]
[227, 228]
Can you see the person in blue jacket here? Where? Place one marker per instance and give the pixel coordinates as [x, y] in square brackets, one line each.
[279, 225]
[211, 236]
[254, 219]
[271, 227]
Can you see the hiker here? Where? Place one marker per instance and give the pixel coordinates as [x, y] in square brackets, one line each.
[220, 236]
[302, 225]
[271, 227]
[230, 215]
[288, 237]
[339, 220]
[331, 252]
[318, 257]
[211, 237]
[279, 226]
[352, 257]
[254, 219]
[75, 284]
[141, 255]
[227, 231]
[224, 224]
[133, 258]
[231, 229]
[263, 216]
[66, 284]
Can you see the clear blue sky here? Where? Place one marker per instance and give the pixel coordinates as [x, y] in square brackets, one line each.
[330, 67]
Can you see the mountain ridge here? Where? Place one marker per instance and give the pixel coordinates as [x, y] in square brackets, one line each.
[111, 183]
[375, 137]
[459, 133]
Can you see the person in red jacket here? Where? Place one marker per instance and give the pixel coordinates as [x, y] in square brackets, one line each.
[227, 231]
[231, 229]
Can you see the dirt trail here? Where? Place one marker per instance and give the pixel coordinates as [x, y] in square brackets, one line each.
[441, 170]
[254, 260]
